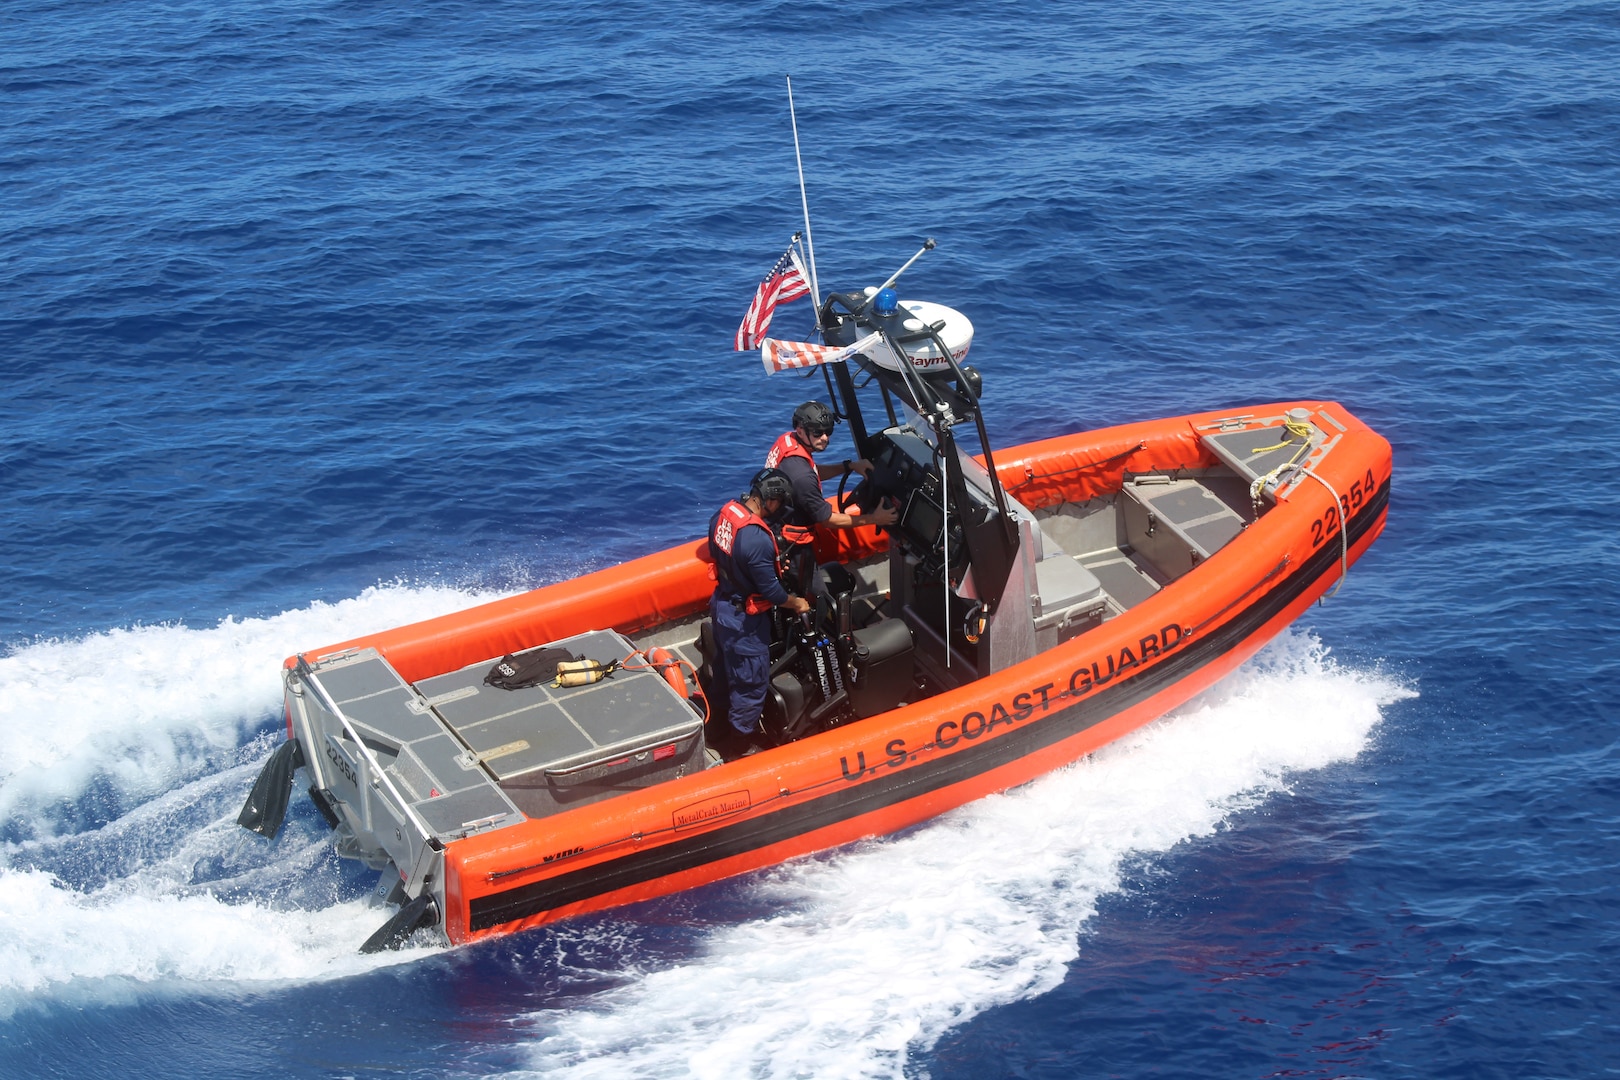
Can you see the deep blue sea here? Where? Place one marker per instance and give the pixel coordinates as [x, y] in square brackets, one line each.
[319, 317]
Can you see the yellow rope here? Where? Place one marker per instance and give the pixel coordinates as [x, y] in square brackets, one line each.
[1304, 431]
[1293, 427]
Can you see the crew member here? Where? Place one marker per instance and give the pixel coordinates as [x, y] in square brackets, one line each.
[748, 585]
[793, 453]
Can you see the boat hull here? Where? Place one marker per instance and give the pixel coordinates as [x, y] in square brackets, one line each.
[897, 769]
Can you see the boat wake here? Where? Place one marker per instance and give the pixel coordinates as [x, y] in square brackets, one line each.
[126, 756]
[880, 949]
[124, 759]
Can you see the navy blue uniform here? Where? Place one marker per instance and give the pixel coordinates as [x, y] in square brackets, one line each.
[744, 640]
[809, 506]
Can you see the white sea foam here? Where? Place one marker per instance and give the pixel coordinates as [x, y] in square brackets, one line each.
[144, 708]
[882, 948]
[264, 914]
[52, 938]
[172, 891]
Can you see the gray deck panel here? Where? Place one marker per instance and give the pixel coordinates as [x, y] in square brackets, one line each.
[1123, 581]
[491, 702]
[637, 708]
[442, 756]
[350, 681]
[448, 814]
[1214, 535]
[1236, 448]
[1183, 504]
[392, 715]
[523, 741]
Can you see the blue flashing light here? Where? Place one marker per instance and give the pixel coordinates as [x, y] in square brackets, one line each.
[885, 302]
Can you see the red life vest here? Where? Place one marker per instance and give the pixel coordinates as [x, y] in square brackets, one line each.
[732, 519]
[787, 446]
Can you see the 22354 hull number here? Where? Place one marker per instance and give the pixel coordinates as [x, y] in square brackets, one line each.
[1325, 526]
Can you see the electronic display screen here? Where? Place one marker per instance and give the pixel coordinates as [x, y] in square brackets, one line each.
[923, 519]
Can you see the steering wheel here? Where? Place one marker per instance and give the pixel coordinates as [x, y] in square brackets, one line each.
[856, 497]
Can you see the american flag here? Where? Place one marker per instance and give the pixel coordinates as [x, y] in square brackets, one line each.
[785, 282]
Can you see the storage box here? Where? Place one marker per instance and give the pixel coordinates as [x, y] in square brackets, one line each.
[419, 758]
[1176, 524]
[552, 749]
[1071, 600]
[888, 677]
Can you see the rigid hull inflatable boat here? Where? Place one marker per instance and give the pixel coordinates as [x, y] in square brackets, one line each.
[1028, 607]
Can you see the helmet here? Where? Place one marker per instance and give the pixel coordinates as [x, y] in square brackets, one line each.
[771, 484]
[814, 417]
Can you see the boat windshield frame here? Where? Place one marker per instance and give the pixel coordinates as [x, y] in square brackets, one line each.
[939, 406]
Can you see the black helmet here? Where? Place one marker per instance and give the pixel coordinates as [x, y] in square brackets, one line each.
[814, 417]
[771, 484]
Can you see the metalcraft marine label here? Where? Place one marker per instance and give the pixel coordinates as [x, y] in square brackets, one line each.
[697, 813]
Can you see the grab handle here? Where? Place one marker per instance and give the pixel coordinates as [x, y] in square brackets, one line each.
[572, 770]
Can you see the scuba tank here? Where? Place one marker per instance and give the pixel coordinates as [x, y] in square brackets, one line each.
[583, 672]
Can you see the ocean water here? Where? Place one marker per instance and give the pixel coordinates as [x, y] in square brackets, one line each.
[316, 318]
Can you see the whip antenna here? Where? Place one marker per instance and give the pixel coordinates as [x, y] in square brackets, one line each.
[928, 245]
[809, 241]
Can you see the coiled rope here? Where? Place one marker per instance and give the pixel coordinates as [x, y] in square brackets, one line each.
[1293, 427]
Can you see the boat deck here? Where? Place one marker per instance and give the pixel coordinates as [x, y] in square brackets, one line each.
[465, 756]
[1096, 559]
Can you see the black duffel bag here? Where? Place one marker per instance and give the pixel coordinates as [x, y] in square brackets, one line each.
[516, 671]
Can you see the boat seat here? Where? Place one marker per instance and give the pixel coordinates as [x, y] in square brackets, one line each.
[709, 653]
[1071, 599]
[708, 650]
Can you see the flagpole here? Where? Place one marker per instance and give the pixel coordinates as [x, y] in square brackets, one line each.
[809, 241]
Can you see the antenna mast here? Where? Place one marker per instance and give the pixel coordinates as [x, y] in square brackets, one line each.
[809, 241]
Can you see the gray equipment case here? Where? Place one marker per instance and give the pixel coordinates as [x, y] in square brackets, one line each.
[409, 768]
[555, 748]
